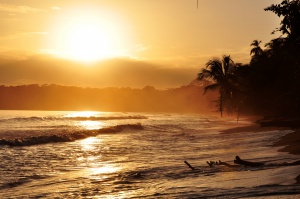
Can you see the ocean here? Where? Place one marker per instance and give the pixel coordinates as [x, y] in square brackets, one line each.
[65, 154]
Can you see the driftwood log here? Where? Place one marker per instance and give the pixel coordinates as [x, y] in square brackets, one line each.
[240, 162]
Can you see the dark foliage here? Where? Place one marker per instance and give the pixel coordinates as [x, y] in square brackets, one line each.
[270, 84]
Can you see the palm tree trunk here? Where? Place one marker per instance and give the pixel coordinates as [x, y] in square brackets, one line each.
[221, 102]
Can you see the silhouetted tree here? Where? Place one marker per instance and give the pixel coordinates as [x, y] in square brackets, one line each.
[256, 50]
[221, 73]
[270, 84]
[284, 55]
[290, 13]
[274, 75]
[275, 47]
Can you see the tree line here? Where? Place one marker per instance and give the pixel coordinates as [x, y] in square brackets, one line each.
[270, 83]
[185, 99]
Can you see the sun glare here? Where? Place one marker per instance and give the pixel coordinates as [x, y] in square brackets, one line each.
[89, 143]
[82, 114]
[86, 123]
[86, 35]
[89, 41]
[90, 125]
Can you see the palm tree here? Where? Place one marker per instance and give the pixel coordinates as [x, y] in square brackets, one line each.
[275, 47]
[221, 72]
[256, 50]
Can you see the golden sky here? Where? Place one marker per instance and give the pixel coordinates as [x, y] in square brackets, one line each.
[165, 33]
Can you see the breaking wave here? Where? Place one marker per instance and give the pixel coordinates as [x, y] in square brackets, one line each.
[66, 136]
[95, 118]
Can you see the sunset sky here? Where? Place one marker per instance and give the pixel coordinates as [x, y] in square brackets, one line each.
[162, 43]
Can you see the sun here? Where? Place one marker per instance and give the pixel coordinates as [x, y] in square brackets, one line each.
[89, 41]
[89, 36]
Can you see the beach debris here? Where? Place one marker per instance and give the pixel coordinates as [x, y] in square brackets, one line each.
[246, 163]
[190, 166]
[211, 163]
[238, 160]
[297, 179]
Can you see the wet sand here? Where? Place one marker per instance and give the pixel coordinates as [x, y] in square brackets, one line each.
[290, 142]
[254, 128]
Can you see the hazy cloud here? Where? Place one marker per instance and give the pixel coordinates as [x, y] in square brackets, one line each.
[12, 55]
[56, 8]
[18, 9]
[140, 48]
[39, 33]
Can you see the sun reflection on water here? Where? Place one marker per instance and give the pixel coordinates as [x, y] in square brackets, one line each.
[83, 114]
[105, 169]
[89, 143]
[87, 119]
[90, 125]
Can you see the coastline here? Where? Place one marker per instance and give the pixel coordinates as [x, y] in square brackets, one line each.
[290, 142]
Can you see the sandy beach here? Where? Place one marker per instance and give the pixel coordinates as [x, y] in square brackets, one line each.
[292, 145]
[289, 142]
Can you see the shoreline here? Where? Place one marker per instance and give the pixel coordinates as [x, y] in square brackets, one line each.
[290, 142]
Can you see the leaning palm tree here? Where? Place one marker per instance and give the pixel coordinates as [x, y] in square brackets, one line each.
[221, 73]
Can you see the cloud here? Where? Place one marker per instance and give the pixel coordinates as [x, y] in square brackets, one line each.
[140, 48]
[38, 33]
[18, 9]
[12, 55]
[56, 8]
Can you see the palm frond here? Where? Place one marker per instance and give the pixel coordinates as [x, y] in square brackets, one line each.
[204, 74]
[211, 87]
[215, 66]
[227, 63]
[255, 43]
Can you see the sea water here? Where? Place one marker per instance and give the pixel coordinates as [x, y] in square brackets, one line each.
[47, 154]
